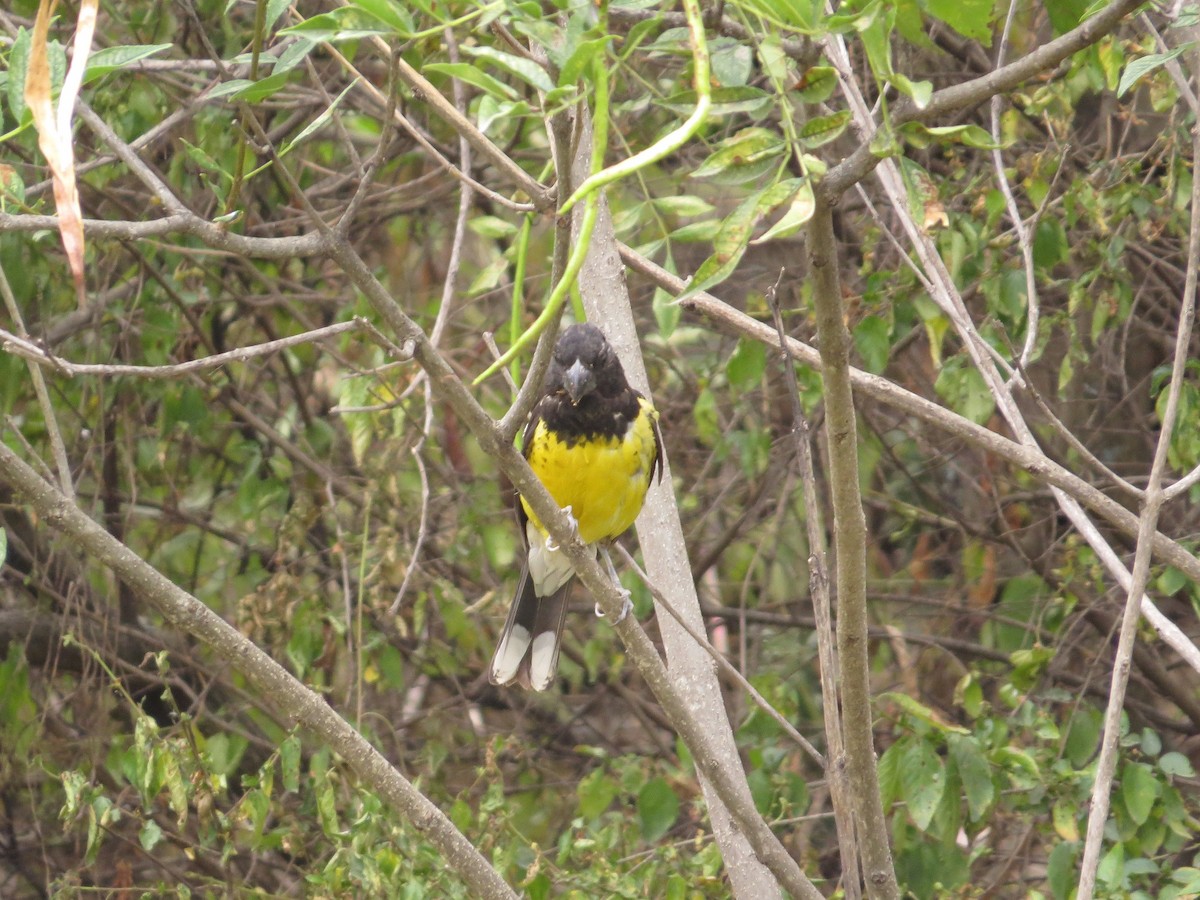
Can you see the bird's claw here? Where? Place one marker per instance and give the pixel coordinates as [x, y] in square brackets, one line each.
[551, 544]
[626, 608]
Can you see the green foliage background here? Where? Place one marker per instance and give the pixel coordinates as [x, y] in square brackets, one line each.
[295, 493]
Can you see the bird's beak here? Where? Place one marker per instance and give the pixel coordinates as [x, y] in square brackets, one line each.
[579, 382]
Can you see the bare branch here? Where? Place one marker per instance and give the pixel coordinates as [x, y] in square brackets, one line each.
[34, 352]
[295, 701]
[860, 163]
[1152, 502]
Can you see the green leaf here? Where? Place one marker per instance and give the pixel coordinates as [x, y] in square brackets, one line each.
[922, 136]
[150, 835]
[682, 205]
[474, 76]
[1061, 869]
[596, 792]
[732, 62]
[327, 807]
[1144, 65]
[823, 129]
[657, 808]
[803, 16]
[749, 146]
[395, 15]
[318, 123]
[525, 69]
[727, 101]
[1020, 767]
[225, 750]
[492, 227]
[1174, 763]
[922, 781]
[875, 33]
[919, 91]
[295, 53]
[817, 84]
[970, 18]
[110, 59]
[1065, 818]
[289, 763]
[1139, 790]
[761, 791]
[801, 209]
[666, 312]
[1083, 737]
[889, 771]
[1171, 581]
[1111, 871]
[964, 389]
[345, 24]
[704, 414]
[275, 9]
[492, 111]
[872, 339]
[580, 59]
[734, 235]
[18, 68]
[257, 91]
[975, 773]
[747, 364]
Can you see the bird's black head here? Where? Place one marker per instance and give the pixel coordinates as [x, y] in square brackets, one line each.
[584, 363]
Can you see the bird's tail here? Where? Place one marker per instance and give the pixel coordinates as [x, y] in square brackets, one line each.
[527, 652]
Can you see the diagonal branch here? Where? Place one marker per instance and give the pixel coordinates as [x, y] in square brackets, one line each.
[859, 164]
[295, 701]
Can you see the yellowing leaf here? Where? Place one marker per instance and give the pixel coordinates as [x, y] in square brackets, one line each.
[54, 130]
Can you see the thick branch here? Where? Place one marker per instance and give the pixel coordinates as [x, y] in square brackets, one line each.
[859, 164]
[711, 763]
[292, 698]
[850, 545]
[1030, 459]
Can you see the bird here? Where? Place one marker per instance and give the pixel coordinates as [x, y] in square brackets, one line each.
[595, 444]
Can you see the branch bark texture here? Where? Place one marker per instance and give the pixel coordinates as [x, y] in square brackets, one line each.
[850, 543]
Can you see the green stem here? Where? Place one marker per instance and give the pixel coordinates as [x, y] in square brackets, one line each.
[671, 142]
[583, 238]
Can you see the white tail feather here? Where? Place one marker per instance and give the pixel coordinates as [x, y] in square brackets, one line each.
[543, 660]
[509, 655]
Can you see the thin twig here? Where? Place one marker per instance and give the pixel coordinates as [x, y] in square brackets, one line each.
[35, 353]
[1069, 487]
[58, 448]
[1033, 305]
[1152, 502]
[722, 663]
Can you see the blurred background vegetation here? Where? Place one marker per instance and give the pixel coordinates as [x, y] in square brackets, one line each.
[295, 493]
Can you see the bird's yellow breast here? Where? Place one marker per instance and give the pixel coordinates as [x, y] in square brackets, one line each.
[603, 479]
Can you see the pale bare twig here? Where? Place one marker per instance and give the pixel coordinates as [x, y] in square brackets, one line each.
[37, 354]
[722, 663]
[1151, 505]
[1028, 458]
[987, 361]
[58, 448]
[859, 164]
[1033, 304]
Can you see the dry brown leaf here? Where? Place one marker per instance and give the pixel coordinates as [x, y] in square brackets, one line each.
[54, 131]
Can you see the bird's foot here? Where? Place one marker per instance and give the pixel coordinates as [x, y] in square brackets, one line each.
[551, 544]
[626, 608]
